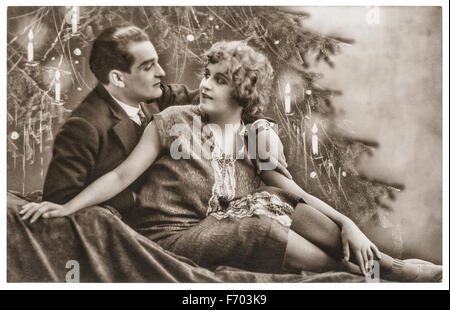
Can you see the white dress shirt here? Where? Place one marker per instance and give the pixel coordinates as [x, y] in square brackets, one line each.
[132, 112]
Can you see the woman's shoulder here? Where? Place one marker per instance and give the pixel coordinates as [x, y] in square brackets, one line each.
[169, 120]
[178, 114]
[181, 110]
[262, 128]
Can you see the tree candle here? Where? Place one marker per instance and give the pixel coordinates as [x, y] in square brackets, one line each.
[315, 140]
[30, 55]
[74, 19]
[287, 99]
[57, 86]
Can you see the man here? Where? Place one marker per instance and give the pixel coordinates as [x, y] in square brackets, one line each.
[106, 126]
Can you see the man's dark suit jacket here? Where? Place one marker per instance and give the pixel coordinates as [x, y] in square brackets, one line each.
[97, 137]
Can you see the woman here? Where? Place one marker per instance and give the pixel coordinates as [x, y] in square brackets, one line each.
[202, 202]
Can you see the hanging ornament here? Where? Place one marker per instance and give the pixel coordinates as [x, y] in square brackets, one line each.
[79, 88]
[297, 130]
[14, 156]
[217, 27]
[344, 174]
[203, 35]
[60, 113]
[109, 17]
[313, 175]
[276, 42]
[27, 149]
[42, 168]
[190, 37]
[15, 135]
[53, 58]
[330, 167]
[210, 18]
[16, 108]
[41, 140]
[58, 87]
[49, 129]
[90, 32]
[304, 154]
[308, 92]
[23, 156]
[76, 62]
[77, 52]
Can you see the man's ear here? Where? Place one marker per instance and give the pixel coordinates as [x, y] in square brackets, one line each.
[116, 78]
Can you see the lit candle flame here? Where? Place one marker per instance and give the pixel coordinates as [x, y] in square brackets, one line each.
[287, 89]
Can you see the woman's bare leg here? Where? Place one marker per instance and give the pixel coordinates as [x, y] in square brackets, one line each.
[301, 254]
[319, 229]
[323, 232]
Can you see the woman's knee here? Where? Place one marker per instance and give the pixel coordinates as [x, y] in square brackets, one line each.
[317, 228]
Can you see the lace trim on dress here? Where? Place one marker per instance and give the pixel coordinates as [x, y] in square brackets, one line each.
[221, 204]
[263, 203]
[224, 187]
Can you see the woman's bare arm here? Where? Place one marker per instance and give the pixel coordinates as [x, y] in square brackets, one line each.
[351, 236]
[107, 186]
[276, 179]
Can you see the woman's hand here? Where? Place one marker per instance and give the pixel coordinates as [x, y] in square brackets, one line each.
[363, 249]
[45, 209]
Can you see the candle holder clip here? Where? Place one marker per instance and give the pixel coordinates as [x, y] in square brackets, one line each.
[31, 63]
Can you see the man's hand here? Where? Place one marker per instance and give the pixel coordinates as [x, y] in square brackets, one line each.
[45, 209]
[362, 247]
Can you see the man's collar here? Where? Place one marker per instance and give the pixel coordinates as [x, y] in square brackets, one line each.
[129, 110]
[115, 108]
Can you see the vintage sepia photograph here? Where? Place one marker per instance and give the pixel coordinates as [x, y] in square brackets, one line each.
[224, 144]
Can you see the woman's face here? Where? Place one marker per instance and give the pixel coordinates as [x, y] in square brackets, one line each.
[215, 91]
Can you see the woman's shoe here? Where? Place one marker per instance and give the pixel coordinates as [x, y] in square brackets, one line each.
[404, 271]
[417, 261]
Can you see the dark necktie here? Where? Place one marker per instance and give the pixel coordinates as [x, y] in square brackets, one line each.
[143, 119]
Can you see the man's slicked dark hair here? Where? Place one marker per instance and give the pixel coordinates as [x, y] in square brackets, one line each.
[110, 50]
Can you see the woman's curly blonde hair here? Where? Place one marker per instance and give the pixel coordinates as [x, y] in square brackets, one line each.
[250, 71]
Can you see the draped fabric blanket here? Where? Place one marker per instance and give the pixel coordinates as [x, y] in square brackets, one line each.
[108, 250]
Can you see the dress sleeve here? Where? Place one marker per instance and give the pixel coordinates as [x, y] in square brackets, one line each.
[271, 155]
[176, 94]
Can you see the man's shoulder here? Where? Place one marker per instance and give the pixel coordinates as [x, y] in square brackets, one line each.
[93, 110]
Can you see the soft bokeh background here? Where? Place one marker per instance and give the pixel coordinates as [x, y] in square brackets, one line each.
[391, 83]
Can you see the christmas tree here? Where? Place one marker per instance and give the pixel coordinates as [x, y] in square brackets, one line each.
[47, 56]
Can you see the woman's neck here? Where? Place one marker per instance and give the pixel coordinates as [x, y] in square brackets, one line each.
[222, 121]
[226, 137]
